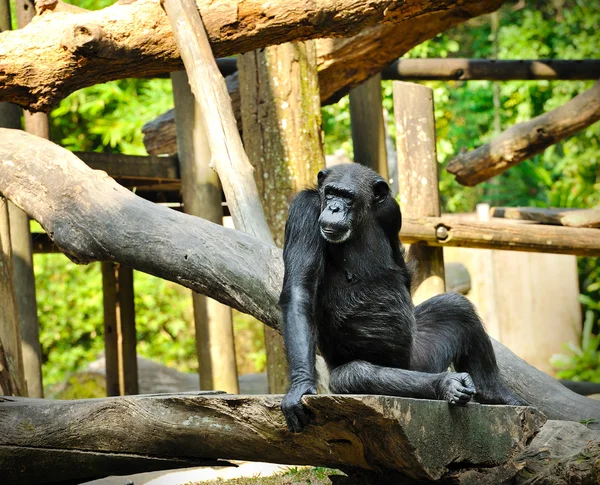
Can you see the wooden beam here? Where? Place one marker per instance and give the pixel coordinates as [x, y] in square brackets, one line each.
[201, 192]
[346, 431]
[501, 234]
[418, 178]
[491, 70]
[524, 140]
[558, 217]
[228, 156]
[119, 330]
[118, 166]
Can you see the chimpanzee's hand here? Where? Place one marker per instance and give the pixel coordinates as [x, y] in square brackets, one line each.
[295, 415]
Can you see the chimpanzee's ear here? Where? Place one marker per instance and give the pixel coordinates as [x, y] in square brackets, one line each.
[380, 190]
[322, 175]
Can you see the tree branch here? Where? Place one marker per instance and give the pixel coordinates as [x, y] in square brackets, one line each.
[228, 157]
[92, 218]
[63, 50]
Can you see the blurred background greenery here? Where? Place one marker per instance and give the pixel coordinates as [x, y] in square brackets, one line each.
[109, 117]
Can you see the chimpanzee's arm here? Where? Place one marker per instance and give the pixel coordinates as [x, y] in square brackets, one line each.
[303, 255]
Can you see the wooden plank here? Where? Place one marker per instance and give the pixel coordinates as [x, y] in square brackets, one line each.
[228, 156]
[118, 166]
[367, 432]
[559, 217]
[368, 131]
[12, 378]
[491, 69]
[501, 234]
[524, 140]
[201, 192]
[418, 178]
[119, 330]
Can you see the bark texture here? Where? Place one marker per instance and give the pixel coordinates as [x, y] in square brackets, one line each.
[90, 217]
[66, 48]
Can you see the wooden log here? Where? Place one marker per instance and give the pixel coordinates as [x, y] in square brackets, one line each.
[67, 48]
[524, 140]
[368, 131]
[91, 218]
[491, 69]
[501, 234]
[12, 377]
[201, 192]
[281, 118]
[345, 431]
[228, 156]
[418, 179]
[557, 217]
[119, 330]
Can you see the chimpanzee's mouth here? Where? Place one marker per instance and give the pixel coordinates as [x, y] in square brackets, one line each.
[335, 237]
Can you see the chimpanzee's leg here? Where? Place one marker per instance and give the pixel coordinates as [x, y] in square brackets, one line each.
[360, 377]
[450, 331]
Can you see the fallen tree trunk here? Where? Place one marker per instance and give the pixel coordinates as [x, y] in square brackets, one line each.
[67, 48]
[524, 140]
[92, 218]
[345, 431]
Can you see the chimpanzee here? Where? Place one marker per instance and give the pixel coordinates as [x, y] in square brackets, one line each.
[346, 289]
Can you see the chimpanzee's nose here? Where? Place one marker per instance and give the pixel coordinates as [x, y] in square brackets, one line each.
[335, 207]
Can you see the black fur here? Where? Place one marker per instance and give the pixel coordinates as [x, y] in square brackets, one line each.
[347, 289]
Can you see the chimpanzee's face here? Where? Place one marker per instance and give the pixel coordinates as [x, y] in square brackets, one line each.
[345, 204]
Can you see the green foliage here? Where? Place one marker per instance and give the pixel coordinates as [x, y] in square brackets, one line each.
[582, 362]
[70, 314]
[109, 117]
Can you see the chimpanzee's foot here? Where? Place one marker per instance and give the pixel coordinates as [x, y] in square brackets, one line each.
[456, 388]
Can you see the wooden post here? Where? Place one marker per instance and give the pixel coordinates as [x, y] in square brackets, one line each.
[37, 124]
[418, 176]
[368, 131]
[119, 330]
[281, 119]
[12, 379]
[201, 192]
